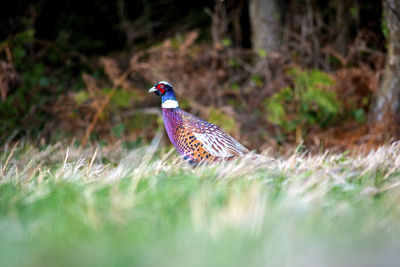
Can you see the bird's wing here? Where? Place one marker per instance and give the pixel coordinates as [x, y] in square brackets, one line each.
[214, 140]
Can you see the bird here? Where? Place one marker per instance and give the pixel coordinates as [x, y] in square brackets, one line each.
[196, 140]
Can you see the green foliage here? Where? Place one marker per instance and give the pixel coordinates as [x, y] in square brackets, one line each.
[385, 28]
[258, 80]
[124, 98]
[81, 96]
[223, 120]
[233, 62]
[226, 42]
[120, 99]
[354, 11]
[262, 53]
[308, 103]
[118, 130]
[235, 87]
[359, 115]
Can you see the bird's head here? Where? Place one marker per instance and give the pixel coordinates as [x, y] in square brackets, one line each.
[161, 88]
[166, 92]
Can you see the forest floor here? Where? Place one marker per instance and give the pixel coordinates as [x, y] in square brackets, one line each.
[64, 206]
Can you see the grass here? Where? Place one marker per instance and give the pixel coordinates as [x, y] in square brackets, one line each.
[108, 206]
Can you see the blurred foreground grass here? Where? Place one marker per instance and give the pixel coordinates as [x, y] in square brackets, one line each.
[64, 206]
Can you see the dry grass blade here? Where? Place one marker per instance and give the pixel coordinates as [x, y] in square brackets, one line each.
[9, 157]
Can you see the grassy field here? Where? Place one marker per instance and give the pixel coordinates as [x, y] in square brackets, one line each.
[108, 206]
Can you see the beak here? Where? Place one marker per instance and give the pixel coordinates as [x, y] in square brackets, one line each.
[152, 89]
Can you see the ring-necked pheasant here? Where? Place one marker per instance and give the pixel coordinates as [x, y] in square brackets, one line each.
[195, 139]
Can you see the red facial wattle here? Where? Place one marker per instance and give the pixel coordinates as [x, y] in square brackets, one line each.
[161, 88]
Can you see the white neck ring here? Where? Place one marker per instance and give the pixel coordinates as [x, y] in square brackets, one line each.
[170, 104]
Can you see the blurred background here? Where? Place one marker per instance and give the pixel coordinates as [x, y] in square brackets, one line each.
[274, 74]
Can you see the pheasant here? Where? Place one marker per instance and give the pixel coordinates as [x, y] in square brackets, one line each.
[195, 139]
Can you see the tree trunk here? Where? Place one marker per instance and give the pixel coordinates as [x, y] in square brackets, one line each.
[386, 107]
[265, 17]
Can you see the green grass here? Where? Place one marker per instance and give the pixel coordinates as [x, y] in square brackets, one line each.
[114, 207]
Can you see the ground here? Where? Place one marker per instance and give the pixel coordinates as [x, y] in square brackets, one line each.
[106, 206]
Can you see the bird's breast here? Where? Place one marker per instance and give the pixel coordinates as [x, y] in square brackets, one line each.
[173, 123]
